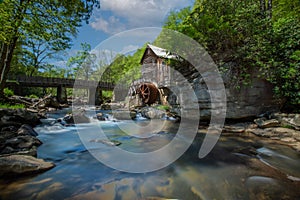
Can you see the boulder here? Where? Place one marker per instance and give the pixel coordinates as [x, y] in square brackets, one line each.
[124, 114]
[9, 129]
[25, 129]
[11, 165]
[235, 128]
[19, 116]
[152, 113]
[276, 133]
[8, 134]
[101, 116]
[28, 141]
[54, 103]
[263, 123]
[8, 150]
[288, 120]
[293, 121]
[20, 143]
[285, 136]
[25, 151]
[76, 117]
[30, 152]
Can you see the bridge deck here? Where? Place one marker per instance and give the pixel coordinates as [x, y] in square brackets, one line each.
[39, 81]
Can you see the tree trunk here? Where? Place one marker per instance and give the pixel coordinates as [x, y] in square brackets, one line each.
[7, 49]
[6, 57]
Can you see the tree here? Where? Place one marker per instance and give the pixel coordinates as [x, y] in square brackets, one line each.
[247, 36]
[35, 52]
[52, 21]
[83, 62]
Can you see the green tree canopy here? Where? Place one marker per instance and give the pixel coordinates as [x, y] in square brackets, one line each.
[254, 35]
[82, 64]
[53, 23]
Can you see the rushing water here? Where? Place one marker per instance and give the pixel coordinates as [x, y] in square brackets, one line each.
[230, 171]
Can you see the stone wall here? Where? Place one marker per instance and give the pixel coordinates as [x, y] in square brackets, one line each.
[245, 102]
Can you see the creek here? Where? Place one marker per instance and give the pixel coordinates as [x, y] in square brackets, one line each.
[228, 172]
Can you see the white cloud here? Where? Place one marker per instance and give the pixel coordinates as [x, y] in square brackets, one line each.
[134, 13]
[111, 25]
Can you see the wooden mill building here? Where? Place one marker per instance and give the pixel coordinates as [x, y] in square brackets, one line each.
[156, 75]
[155, 65]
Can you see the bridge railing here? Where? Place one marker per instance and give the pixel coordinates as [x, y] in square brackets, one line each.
[40, 81]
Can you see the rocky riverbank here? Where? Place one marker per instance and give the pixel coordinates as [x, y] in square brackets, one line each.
[281, 128]
[18, 143]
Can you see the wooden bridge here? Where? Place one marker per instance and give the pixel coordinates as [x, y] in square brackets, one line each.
[39, 81]
[95, 87]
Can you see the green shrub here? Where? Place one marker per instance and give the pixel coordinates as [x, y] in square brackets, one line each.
[16, 106]
[8, 92]
[32, 96]
[287, 126]
[107, 94]
[163, 107]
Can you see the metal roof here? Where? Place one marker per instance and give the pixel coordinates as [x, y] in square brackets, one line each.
[160, 52]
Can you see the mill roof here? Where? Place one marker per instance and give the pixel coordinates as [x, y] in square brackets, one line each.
[160, 52]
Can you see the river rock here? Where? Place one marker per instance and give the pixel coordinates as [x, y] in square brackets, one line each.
[277, 132]
[292, 121]
[289, 120]
[273, 132]
[152, 113]
[25, 129]
[77, 117]
[263, 123]
[28, 141]
[107, 142]
[23, 143]
[9, 129]
[285, 136]
[234, 128]
[101, 116]
[124, 114]
[21, 164]
[7, 150]
[8, 134]
[18, 116]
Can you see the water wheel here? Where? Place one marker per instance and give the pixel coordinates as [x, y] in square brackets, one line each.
[148, 93]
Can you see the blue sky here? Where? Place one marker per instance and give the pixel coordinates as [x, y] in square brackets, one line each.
[116, 16]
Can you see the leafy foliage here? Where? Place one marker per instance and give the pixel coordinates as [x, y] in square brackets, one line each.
[248, 37]
[15, 106]
[124, 69]
[8, 92]
[51, 24]
[82, 63]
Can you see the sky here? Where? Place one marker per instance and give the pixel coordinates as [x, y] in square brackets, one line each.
[120, 17]
[122, 26]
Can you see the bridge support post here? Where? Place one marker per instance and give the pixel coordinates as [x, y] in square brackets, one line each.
[95, 96]
[62, 94]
